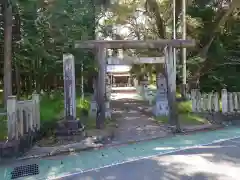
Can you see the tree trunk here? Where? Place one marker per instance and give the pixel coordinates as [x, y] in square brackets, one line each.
[7, 52]
[37, 76]
[17, 77]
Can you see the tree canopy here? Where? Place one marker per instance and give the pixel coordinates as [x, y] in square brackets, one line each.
[43, 30]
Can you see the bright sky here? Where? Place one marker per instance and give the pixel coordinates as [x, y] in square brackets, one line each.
[123, 29]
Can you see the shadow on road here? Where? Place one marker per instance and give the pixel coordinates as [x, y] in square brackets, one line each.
[220, 161]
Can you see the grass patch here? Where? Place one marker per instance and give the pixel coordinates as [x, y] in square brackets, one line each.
[83, 105]
[51, 108]
[185, 119]
[3, 128]
[185, 115]
[178, 95]
[184, 107]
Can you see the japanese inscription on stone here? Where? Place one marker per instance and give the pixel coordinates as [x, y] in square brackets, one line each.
[69, 86]
[161, 98]
[162, 87]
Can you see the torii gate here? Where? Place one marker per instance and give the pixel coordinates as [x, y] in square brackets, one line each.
[101, 47]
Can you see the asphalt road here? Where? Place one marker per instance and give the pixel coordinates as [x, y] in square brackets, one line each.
[218, 161]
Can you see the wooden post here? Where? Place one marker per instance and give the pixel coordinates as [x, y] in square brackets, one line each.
[101, 84]
[36, 117]
[12, 117]
[171, 88]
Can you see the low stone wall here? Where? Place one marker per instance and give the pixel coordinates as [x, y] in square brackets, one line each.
[220, 118]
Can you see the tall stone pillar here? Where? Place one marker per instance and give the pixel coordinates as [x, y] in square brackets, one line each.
[69, 125]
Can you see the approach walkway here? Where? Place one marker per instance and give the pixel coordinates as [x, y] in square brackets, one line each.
[133, 124]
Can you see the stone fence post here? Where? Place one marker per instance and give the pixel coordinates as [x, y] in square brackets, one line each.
[230, 102]
[216, 102]
[194, 100]
[36, 115]
[235, 99]
[12, 117]
[224, 101]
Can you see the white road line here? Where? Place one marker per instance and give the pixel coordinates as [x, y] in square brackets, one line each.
[141, 158]
[237, 142]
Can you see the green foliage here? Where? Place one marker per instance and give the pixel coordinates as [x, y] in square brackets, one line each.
[47, 29]
[3, 128]
[83, 106]
[184, 107]
[51, 108]
[43, 33]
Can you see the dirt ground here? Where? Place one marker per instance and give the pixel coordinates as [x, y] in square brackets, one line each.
[133, 124]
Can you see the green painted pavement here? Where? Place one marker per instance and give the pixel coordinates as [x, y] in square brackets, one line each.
[87, 160]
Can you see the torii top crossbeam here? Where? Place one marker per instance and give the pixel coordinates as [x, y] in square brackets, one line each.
[134, 44]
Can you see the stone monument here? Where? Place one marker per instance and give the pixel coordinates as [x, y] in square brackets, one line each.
[69, 125]
[161, 107]
[144, 87]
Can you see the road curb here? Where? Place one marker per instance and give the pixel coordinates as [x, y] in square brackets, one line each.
[103, 146]
[210, 128]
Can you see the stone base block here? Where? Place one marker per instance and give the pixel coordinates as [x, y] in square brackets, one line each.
[161, 109]
[93, 109]
[9, 148]
[69, 127]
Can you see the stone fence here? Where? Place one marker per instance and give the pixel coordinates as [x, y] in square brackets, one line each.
[226, 102]
[23, 116]
[23, 125]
